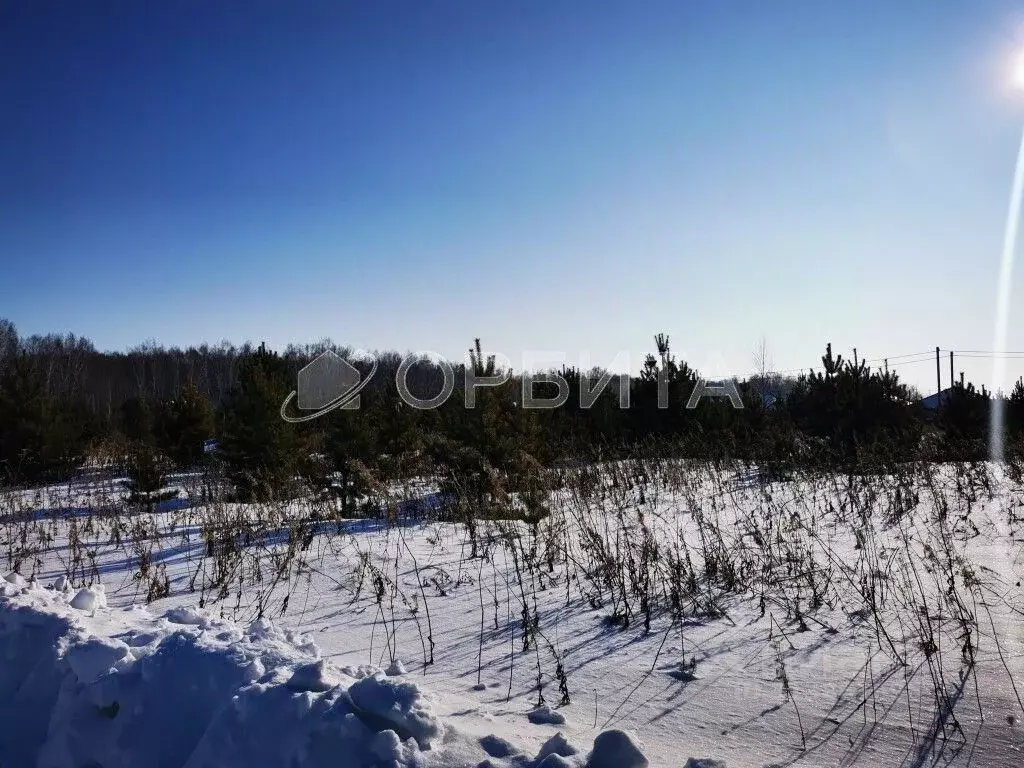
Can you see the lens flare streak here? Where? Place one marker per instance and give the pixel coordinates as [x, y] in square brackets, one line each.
[1003, 306]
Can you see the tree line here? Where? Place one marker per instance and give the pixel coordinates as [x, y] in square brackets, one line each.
[149, 411]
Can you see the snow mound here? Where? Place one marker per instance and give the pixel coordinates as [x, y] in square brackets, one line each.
[495, 746]
[187, 616]
[82, 684]
[314, 677]
[94, 657]
[703, 762]
[556, 745]
[398, 705]
[555, 761]
[616, 749]
[90, 598]
[545, 715]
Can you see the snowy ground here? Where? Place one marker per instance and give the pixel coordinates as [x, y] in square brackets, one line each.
[815, 623]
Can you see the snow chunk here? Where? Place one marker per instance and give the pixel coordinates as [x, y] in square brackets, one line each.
[397, 668]
[556, 745]
[185, 615]
[314, 678]
[545, 715]
[386, 746]
[255, 670]
[141, 639]
[554, 761]
[616, 749]
[89, 599]
[266, 631]
[97, 656]
[16, 579]
[262, 629]
[396, 704]
[703, 762]
[495, 746]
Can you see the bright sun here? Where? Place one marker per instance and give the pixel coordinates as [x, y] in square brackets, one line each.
[1018, 71]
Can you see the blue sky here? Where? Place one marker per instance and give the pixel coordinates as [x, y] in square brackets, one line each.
[549, 176]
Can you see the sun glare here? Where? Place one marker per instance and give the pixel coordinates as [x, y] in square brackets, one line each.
[1018, 71]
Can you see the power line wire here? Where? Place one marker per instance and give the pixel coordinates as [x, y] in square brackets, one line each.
[930, 352]
[894, 361]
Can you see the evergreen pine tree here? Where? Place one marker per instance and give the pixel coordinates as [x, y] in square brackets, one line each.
[41, 437]
[147, 471]
[853, 411]
[350, 446]
[263, 453]
[964, 419]
[1016, 409]
[663, 374]
[137, 419]
[187, 421]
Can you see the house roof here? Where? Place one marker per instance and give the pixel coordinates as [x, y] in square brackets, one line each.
[933, 401]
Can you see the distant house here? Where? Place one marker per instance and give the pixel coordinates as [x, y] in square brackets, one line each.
[769, 399]
[932, 402]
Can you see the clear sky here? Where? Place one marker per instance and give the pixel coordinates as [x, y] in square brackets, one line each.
[570, 176]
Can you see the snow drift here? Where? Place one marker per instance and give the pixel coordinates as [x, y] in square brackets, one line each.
[82, 684]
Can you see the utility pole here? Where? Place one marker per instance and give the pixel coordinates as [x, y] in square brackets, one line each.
[951, 368]
[854, 357]
[938, 374]
[887, 366]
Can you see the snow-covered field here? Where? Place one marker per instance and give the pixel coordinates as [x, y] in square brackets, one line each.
[820, 621]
